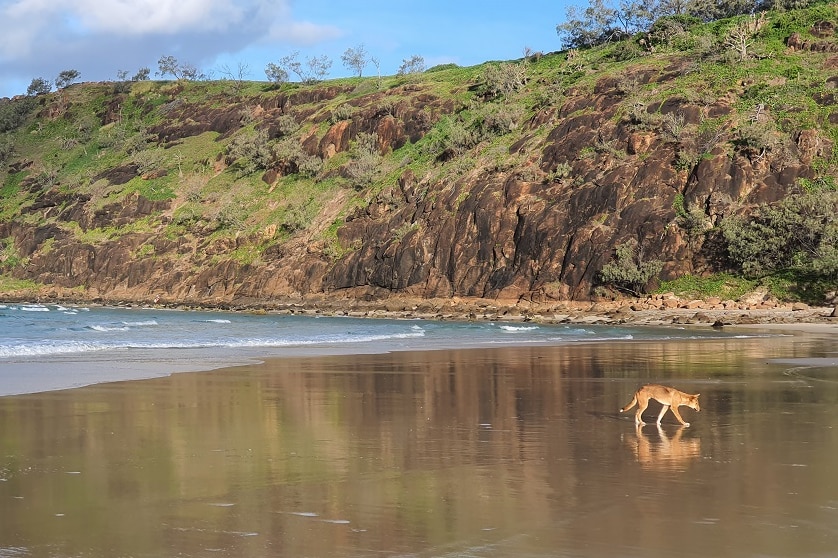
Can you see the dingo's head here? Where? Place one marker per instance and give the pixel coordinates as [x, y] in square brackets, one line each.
[692, 402]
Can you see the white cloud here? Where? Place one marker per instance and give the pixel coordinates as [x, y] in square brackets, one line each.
[99, 37]
[139, 17]
[302, 32]
[26, 23]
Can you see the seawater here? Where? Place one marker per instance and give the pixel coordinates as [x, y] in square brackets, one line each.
[45, 347]
[31, 330]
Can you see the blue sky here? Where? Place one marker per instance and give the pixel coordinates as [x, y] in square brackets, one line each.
[98, 38]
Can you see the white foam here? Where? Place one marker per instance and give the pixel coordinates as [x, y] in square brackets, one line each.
[45, 349]
[518, 328]
[141, 323]
[109, 328]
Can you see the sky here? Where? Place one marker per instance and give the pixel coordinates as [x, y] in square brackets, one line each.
[100, 38]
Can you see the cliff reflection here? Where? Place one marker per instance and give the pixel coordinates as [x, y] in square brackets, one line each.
[517, 450]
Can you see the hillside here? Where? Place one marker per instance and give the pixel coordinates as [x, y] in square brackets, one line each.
[561, 176]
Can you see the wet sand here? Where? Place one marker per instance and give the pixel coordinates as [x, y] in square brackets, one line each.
[516, 451]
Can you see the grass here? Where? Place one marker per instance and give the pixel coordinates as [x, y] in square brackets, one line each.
[784, 285]
[8, 284]
[721, 285]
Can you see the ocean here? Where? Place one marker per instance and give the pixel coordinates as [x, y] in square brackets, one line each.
[45, 347]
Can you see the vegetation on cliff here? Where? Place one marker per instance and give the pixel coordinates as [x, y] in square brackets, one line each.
[696, 150]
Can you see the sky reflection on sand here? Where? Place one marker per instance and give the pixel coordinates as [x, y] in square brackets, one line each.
[490, 452]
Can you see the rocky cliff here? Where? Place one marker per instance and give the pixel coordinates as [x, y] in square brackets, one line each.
[456, 182]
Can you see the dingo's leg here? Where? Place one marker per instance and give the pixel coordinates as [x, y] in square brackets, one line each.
[678, 416]
[642, 403]
[663, 412]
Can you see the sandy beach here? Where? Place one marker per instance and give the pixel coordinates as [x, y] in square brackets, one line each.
[489, 452]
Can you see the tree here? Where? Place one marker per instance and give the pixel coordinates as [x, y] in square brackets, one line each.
[314, 69]
[276, 75]
[592, 26]
[122, 85]
[141, 75]
[710, 10]
[740, 37]
[237, 75]
[38, 86]
[356, 59]
[413, 65]
[65, 78]
[377, 63]
[318, 68]
[169, 65]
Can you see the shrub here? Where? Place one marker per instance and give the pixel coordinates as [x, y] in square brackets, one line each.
[758, 135]
[563, 170]
[341, 112]
[231, 216]
[365, 159]
[502, 79]
[668, 28]
[287, 125]
[148, 160]
[629, 273]
[497, 120]
[693, 221]
[14, 113]
[299, 217]
[309, 165]
[673, 126]
[6, 147]
[9, 255]
[290, 152]
[251, 152]
[131, 144]
[449, 138]
[626, 50]
[798, 233]
[442, 67]
[142, 74]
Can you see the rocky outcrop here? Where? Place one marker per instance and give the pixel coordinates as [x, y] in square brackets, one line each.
[823, 41]
[591, 171]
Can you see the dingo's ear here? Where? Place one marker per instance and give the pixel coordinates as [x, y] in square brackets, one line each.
[696, 395]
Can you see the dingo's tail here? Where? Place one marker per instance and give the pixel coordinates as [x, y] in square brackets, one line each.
[630, 405]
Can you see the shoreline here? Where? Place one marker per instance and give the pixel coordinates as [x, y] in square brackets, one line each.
[42, 375]
[70, 372]
[658, 310]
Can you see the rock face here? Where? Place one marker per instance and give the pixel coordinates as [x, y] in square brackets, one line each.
[588, 175]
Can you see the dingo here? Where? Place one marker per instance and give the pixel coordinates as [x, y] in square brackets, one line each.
[671, 398]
